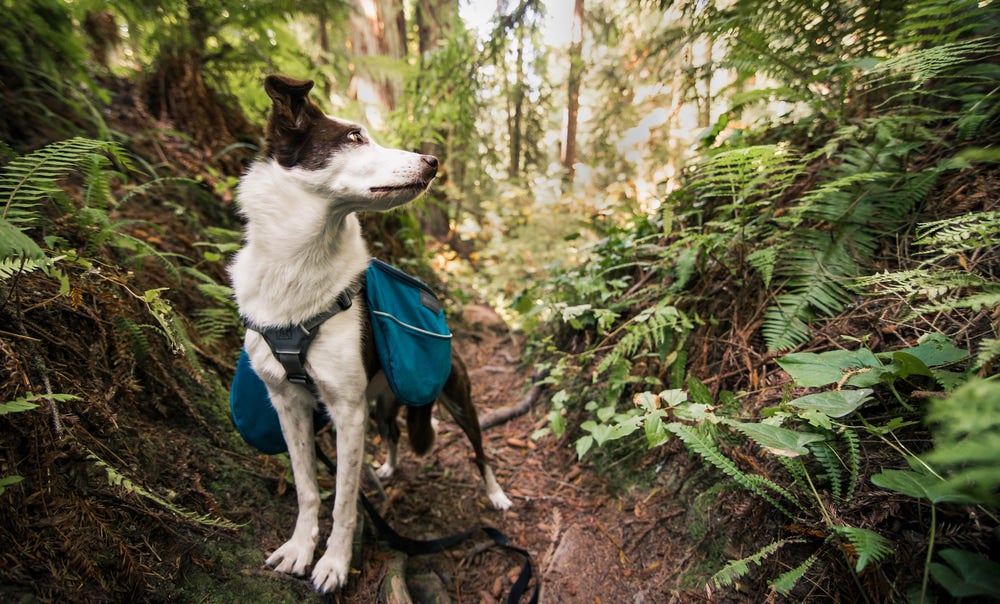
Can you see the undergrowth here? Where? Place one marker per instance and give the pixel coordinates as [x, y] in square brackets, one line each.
[830, 234]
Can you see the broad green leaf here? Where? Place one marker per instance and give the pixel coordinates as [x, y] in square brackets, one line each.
[777, 440]
[834, 403]
[672, 398]
[696, 413]
[813, 370]
[699, 391]
[656, 432]
[905, 364]
[967, 574]
[935, 349]
[583, 444]
[920, 485]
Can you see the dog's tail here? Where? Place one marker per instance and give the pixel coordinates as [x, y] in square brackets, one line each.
[419, 428]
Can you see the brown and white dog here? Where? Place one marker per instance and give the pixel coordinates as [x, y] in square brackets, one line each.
[303, 247]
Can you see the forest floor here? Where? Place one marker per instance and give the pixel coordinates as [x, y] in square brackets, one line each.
[140, 489]
[590, 540]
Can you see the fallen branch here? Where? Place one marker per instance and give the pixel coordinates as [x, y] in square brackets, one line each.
[505, 414]
[394, 590]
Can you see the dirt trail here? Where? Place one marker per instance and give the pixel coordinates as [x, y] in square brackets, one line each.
[588, 544]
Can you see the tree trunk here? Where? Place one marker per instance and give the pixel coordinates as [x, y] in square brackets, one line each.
[434, 18]
[573, 93]
[515, 116]
[378, 29]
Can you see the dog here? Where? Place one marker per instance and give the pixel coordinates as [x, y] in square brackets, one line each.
[303, 248]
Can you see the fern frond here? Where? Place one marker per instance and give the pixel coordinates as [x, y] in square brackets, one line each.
[133, 334]
[734, 569]
[15, 245]
[28, 180]
[695, 441]
[963, 233]
[853, 442]
[650, 329]
[213, 324]
[786, 581]
[868, 545]
[120, 480]
[924, 64]
[827, 457]
[939, 20]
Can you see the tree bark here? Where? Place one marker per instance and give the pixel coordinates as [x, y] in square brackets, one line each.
[378, 29]
[573, 93]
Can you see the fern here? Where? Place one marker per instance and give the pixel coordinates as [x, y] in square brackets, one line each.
[853, 459]
[825, 454]
[868, 545]
[118, 479]
[963, 233]
[133, 334]
[694, 440]
[735, 569]
[786, 581]
[650, 329]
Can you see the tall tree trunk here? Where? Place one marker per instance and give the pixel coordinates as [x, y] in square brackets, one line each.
[515, 114]
[434, 19]
[573, 93]
[378, 29]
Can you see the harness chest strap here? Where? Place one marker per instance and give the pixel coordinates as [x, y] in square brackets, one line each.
[290, 343]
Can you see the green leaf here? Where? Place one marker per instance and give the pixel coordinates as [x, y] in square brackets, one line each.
[583, 444]
[699, 391]
[967, 574]
[834, 403]
[6, 481]
[16, 406]
[813, 370]
[656, 432]
[920, 485]
[777, 440]
[935, 349]
[672, 398]
[904, 365]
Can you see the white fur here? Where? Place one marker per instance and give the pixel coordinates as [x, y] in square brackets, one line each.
[303, 246]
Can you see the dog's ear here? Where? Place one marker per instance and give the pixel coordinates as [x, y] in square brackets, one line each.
[291, 98]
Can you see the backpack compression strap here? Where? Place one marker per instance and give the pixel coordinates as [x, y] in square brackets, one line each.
[290, 343]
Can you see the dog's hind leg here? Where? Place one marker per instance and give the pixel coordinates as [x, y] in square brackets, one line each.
[386, 407]
[349, 417]
[457, 398]
[295, 413]
[420, 428]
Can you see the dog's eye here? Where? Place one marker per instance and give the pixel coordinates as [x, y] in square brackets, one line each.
[356, 137]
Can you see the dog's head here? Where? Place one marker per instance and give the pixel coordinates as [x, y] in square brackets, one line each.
[338, 159]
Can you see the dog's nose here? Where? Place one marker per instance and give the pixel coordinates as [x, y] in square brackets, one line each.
[430, 160]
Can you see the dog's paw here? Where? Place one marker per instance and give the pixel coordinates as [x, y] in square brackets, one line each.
[499, 500]
[385, 471]
[292, 557]
[330, 572]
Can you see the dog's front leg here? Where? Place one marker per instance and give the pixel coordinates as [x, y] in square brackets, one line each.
[348, 416]
[295, 412]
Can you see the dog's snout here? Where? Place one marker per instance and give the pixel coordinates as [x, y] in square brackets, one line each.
[430, 160]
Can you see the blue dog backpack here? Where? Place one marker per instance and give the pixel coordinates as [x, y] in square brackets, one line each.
[411, 334]
[412, 341]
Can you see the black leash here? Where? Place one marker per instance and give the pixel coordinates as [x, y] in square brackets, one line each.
[419, 547]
